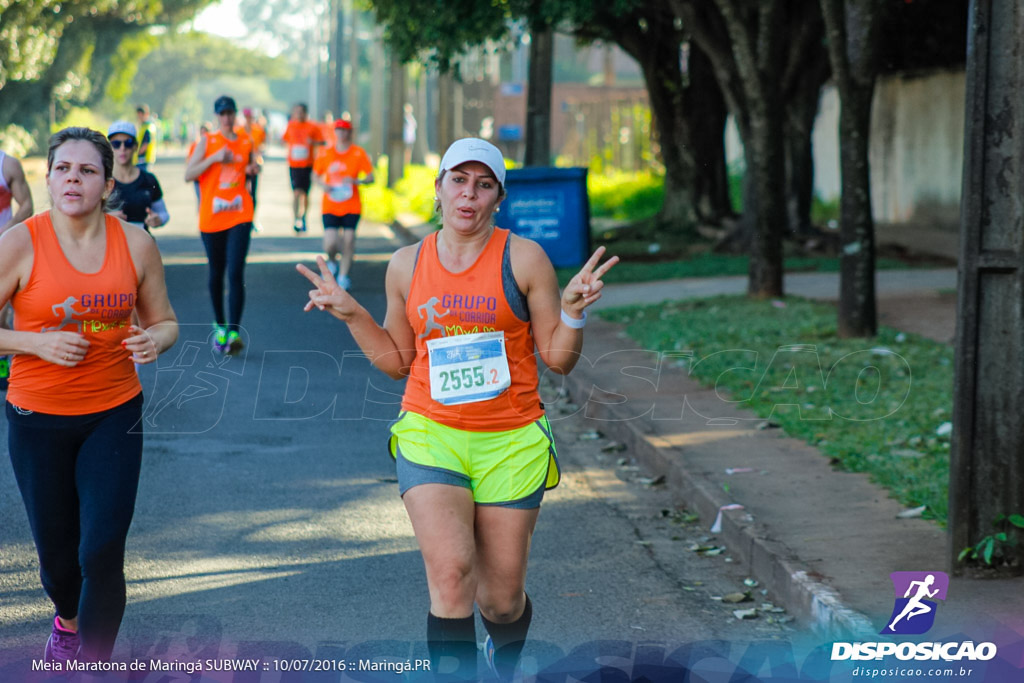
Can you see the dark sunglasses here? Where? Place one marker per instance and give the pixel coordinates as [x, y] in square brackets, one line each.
[128, 144]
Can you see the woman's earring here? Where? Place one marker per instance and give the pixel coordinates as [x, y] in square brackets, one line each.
[497, 210]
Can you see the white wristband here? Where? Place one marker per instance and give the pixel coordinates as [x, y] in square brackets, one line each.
[574, 323]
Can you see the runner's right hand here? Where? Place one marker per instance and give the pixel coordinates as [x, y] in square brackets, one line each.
[62, 348]
[327, 295]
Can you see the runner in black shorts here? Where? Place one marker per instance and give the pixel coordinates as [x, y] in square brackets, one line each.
[302, 179]
[340, 169]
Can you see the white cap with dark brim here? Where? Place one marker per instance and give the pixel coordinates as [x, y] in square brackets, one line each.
[475, 149]
[122, 128]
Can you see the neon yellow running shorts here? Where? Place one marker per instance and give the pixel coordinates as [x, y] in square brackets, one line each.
[510, 468]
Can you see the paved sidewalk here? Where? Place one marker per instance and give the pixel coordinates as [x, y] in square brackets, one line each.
[823, 542]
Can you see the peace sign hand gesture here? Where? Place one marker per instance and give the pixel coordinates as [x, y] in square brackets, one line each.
[585, 287]
[327, 295]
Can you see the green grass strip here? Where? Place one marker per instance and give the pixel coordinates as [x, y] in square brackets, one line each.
[877, 406]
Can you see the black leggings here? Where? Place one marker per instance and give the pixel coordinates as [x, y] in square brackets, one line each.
[78, 476]
[226, 251]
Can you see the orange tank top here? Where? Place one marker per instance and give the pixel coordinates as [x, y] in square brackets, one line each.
[59, 298]
[224, 201]
[482, 298]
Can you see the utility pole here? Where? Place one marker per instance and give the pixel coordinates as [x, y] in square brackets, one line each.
[336, 59]
[353, 67]
[986, 477]
[377, 98]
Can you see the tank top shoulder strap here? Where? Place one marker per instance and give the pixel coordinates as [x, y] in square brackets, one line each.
[119, 254]
[431, 242]
[513, 295]
[40, 227]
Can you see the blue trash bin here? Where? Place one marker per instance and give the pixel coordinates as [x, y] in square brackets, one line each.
[550, 207]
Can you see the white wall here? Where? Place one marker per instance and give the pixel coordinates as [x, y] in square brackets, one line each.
[917, 144]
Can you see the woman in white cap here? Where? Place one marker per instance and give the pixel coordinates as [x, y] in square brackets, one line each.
[138, 198]
[469, 309]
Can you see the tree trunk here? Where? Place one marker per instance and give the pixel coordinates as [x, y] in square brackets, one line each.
[707, 114]
[445, 111]
[396, 120]
[659, 60]
[674, 110]
[853, 28]
[857, 305]
[767, 168]
[538, 96]
[801, 112]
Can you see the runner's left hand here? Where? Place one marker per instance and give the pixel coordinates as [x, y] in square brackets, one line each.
[585, 287]
[140, 345]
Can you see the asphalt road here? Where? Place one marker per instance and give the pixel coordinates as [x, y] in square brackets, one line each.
[268, 523]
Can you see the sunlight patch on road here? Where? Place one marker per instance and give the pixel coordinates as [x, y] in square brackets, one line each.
[198, 259]
[695, 438]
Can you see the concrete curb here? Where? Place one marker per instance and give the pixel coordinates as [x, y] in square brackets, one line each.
[776, 566]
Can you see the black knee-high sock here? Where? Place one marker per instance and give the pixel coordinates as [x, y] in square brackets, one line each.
[509, 640]
[452, 638]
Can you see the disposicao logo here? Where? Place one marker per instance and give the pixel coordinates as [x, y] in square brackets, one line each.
[916, 592]
[913, 614]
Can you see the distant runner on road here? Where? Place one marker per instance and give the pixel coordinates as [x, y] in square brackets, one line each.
[341, 169]
[13, 186]
[301, 138]
[148, 135]
[220, 162]
[137, 193]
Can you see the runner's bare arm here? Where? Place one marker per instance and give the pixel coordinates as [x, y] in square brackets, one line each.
[197, 164]
[15, 175]
[390, 348]
[559, 344]
[15, 270]
[159, 323]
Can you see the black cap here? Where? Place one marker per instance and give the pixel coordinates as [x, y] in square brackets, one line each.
[223, 104]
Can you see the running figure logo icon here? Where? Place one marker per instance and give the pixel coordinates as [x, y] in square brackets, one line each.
[67, 310]
[429, 311]
[914, 612]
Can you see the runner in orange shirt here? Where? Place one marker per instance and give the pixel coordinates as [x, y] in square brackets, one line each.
[338, 170]
[204, 130]
[301, 137]
[74, 275]
[254, 130]
[221, 162]
[470, 310]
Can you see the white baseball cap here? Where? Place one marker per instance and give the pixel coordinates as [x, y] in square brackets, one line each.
[122, 127]
[475, 149]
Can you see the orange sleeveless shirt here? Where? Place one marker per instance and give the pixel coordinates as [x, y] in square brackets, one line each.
[224, 201]
[444, 304]
[59, 298]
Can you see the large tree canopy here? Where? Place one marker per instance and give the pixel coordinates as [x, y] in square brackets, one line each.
[180, 60]
[66, 52]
